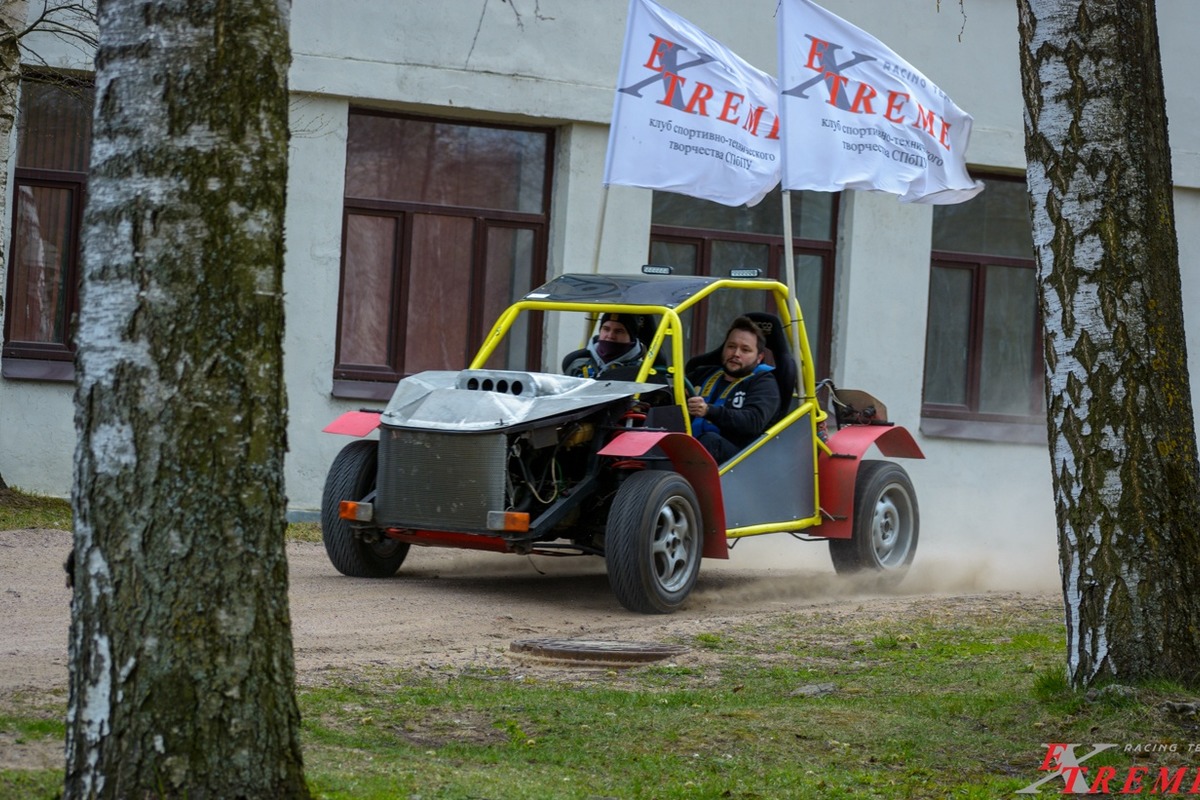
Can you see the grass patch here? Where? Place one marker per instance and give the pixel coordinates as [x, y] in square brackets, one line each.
[304, 532]
[930, 705]
[19, 510]
[22, 510]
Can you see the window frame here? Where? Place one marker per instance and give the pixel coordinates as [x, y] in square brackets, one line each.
[375, 383]
[703, 239]
[965, 420]
[44, 361]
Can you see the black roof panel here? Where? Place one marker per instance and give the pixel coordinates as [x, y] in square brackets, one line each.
[649, 290]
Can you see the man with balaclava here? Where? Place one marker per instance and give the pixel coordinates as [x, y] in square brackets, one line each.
[616, 345]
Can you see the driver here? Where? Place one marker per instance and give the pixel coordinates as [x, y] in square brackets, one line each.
[734, 401]
[616, 345]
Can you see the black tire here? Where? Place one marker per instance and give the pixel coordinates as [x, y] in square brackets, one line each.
[886, 524]
[352, 477]
[653, 542]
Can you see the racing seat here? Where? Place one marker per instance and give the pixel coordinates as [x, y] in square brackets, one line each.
[778, 355]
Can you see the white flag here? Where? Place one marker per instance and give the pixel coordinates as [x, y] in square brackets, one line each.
[857, 116]
[690, 116]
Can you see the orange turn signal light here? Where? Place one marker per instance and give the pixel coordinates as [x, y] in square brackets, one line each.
[514, 521]
[356, 512]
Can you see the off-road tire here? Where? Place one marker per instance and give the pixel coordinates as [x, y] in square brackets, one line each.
[886, 524]
[352, 477]
[653, 542]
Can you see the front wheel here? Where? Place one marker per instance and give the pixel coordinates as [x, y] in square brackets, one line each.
[352, 477]
[886, 524]
[653, 542]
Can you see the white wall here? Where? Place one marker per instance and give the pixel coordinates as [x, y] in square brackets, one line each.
[1187, 224]
[552, 62]
[313, 233]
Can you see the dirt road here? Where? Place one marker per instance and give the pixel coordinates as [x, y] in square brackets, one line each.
[448, 607]
[451, 609]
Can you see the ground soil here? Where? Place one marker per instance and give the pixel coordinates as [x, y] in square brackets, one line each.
[451, 609]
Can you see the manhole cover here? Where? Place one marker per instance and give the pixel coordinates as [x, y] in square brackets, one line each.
[598, 652]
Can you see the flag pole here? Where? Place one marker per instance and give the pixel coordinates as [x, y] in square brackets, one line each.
[789, 261]
[590, 319]
[600, 230]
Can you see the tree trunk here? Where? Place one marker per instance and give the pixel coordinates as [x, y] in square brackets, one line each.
[1122, 439]
[182, 678]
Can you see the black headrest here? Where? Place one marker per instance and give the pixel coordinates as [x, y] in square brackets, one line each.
[773, 332]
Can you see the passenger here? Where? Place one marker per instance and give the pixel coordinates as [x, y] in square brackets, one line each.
[734, 401]
[617, 345]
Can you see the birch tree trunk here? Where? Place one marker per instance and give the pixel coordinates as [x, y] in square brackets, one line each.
[1122, 438]
[181, 674]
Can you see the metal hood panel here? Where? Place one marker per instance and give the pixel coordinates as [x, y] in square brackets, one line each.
[476, 400]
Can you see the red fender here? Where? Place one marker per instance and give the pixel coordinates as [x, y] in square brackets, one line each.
[354, 423]
[692, 461]
[838, 471]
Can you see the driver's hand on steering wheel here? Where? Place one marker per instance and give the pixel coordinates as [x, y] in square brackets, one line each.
[697, 406]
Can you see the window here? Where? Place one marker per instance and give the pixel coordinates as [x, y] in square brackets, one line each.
[699, 237]
[54, 126]
[445, 225]
[983, 363]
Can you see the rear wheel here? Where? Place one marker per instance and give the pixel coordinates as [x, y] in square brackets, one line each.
[886, 524]
[352, 477]
[653, 542]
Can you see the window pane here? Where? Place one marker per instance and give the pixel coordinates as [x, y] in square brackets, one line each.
[509, 272]
[41, 257]
[1009, 320]
[947, 336]
[55, 126]
[810, 274]
[685, 258]
[812, 214]
[682, 256]
[366, 325]
[422, 161]
[727, 256]
[995, 221]
[724, 306]
[439, 294]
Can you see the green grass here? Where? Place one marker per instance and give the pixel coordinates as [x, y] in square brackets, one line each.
[22, 510]
[19, 510]
[934, 704]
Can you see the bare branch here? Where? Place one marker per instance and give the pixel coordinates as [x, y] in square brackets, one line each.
[73, 22]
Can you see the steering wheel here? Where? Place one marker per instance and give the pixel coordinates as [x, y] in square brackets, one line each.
[689, 387]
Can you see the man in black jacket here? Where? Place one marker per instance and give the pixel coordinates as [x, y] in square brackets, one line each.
[615, 346]
[734, 401]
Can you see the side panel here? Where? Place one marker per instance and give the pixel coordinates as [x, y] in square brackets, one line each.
[839, 470]
[774, 483]
[692, 461]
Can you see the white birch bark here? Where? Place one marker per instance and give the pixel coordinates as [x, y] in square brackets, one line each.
[1122, 444]
[181, 653]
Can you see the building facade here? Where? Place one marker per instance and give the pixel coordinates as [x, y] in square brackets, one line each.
[448, 157]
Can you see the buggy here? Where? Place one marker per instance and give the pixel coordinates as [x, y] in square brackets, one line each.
[514, 461]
